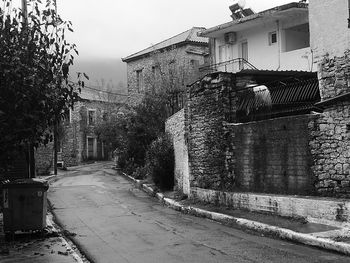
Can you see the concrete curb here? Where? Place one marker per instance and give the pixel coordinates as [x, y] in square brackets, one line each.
[282, 233]
[75, 255]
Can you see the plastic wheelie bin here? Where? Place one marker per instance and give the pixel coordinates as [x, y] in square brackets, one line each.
[24, 205]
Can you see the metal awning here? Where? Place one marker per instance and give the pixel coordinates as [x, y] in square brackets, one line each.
[278, 100]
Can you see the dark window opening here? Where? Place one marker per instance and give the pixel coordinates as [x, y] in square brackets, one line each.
[272, 38]
[139, 80]
[91, 117]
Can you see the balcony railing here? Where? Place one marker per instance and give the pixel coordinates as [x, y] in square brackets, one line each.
[233, 65]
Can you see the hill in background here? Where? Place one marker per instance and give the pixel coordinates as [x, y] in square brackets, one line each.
[105, 74]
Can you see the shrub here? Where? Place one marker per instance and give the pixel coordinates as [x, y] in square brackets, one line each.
[160, 162]
[140, 173]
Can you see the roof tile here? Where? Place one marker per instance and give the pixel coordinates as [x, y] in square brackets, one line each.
[189, 35]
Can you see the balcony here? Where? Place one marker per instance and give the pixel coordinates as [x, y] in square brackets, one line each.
[233, 66]
[299, 59]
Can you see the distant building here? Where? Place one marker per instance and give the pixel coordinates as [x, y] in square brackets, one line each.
[168, 65]
[274, 39]
[78, 142]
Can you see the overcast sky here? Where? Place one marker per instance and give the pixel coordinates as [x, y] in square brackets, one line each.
[106, 30]
[117, 28]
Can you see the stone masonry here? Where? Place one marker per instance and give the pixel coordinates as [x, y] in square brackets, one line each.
[271, 156]
[74, 133]
[205, 113]
[329, 143]
[330, 148]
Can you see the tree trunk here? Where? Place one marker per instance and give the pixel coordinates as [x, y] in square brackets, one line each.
[55, 144]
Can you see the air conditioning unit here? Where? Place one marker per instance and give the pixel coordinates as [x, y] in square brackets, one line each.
[230, 38]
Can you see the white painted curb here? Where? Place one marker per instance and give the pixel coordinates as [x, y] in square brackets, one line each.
[283, 233]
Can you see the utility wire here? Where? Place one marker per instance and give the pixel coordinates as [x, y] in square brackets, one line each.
[99, 90]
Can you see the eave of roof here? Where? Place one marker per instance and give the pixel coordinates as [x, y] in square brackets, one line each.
[187, 37]
[258, 72]
[276, 72]
[265, 13]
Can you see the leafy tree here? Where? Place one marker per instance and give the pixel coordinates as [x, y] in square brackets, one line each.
[131, 131]
[34, 66]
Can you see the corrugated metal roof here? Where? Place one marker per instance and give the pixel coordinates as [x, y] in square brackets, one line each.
[278, 100]
[187, 36]
[275, 72]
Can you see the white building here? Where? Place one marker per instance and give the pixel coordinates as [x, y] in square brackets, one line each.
[330, 28]
[274, 39]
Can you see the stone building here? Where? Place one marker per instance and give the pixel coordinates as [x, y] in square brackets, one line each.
[166, 66]
[78, 142]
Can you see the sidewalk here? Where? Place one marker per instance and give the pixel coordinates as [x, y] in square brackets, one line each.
[296, 230]
[30, 248]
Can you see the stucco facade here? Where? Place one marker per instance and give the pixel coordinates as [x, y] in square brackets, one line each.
[329, 32]
[274, 39]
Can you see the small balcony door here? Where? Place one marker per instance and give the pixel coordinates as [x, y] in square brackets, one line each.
[225, 56]
[244, 53]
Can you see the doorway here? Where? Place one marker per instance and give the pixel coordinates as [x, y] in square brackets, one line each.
[244, 54]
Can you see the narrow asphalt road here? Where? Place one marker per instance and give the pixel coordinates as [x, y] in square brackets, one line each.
[116, 222]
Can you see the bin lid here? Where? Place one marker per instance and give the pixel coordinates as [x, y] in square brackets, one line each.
[27, 183]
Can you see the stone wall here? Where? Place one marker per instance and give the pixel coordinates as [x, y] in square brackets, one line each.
[334, 75]
[44, 159]
[175, 126]
[330, 147]
[205, 112]
[270, 156]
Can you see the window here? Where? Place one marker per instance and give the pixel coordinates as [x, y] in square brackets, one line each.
[104, 116]
[194, 63]
[139, 80]
[68, 116]
[272, 38]
[155, 71]
[91, 117]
